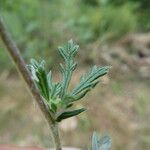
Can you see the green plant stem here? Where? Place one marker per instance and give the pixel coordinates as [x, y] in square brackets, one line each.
[16, 57]
[55, 132]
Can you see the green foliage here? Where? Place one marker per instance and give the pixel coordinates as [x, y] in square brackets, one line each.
[38, 26]
[100, 142]
[106, 22]
[117, 21]
[23, 21]
[91, 2]
[56, 95]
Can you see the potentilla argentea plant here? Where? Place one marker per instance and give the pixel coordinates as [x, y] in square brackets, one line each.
[56, 95]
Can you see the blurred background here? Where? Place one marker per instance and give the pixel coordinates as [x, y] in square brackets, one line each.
[109, 32]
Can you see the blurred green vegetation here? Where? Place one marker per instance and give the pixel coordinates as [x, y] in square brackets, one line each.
[39, 25]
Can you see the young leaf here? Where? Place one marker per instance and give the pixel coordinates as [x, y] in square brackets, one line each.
[40, 77]
[68, 55]
[69, 114]
[100, 142]
[88, 81]
[56, 95]
[55, 88]
[43, 84]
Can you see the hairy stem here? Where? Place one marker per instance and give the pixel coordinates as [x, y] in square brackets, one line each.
[16, 57]
[55, 132]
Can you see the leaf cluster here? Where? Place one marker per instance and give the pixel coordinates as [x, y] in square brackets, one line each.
[56, 95]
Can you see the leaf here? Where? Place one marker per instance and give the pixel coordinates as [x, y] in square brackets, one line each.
[49, 79]
[43, 84]
[33, 72]
[55, 88]
[88, 81]
[69, 114]
[68, 53]
[40, 77]
[34, 63]
[100, 142]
